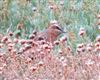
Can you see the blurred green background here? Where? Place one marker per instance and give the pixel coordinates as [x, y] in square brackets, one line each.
[36, 14]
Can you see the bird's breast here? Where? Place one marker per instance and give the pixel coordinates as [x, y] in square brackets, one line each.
[49, 36]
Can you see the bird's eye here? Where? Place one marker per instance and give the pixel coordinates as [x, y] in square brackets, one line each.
[58, 28]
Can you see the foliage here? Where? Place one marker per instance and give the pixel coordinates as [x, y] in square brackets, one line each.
[75, 57]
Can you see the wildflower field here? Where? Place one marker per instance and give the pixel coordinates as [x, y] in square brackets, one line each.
[74, 55]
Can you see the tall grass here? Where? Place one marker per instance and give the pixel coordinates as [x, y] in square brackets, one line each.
[36, 14]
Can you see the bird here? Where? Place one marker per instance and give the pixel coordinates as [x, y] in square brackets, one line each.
[51, 33]
[48, 35]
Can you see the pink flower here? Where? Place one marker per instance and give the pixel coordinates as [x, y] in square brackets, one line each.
[10, 33]
[56, 42]
[28, 60]
[1, 68]
[4, 39]
[97, 49]
[98, 16]
[98, 38]
[60, 52]
[40, 63]
[9, 48]
[23, 41]
[1, 45]
[82, 32]
[31, 36]
[11, 45]
[15, 40]
[89, 48]
[9, 41]
[64, 65]
[33, 68]
[80, 45]
[79, 50]
[63, 39]
[97, 44]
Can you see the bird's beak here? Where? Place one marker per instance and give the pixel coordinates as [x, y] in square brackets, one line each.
[59, 28]
[62, 30]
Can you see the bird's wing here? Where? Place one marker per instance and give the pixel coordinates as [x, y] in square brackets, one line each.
[40, 36]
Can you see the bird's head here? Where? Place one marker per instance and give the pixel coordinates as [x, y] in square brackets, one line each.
[55, 27]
